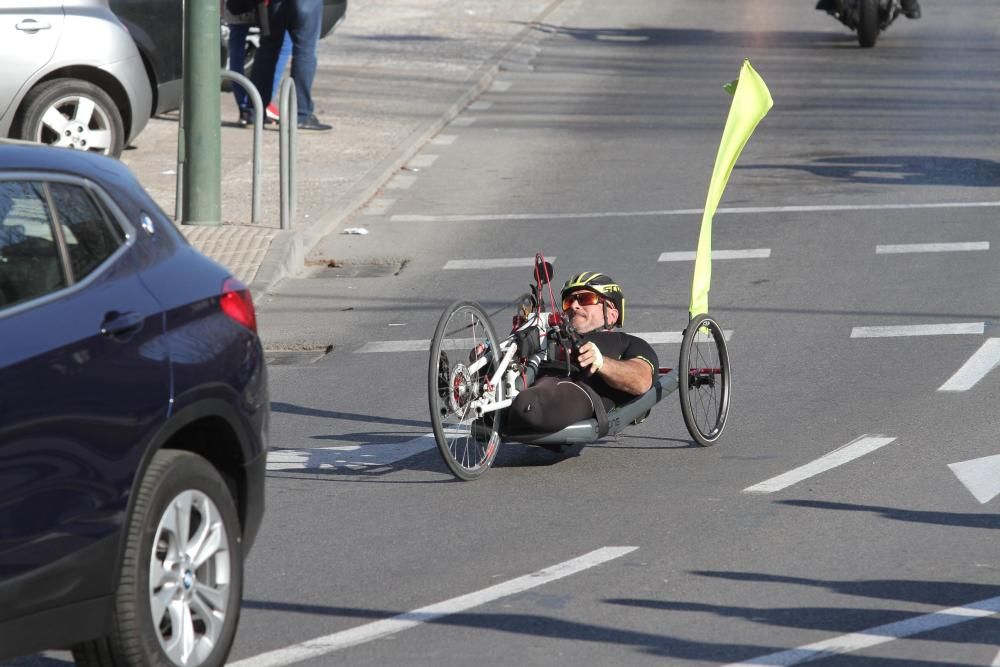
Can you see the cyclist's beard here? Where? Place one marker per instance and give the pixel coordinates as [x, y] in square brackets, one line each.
[581, 322]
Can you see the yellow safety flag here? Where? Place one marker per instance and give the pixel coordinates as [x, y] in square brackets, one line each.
[751, 102]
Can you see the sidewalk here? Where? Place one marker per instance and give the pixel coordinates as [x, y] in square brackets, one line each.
[392, 75]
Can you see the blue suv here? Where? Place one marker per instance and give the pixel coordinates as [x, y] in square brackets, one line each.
[133, 422]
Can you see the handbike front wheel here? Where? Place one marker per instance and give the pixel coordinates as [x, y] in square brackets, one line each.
[468, 444]
[704, 392]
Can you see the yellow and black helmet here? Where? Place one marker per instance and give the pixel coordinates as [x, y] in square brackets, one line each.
[600, 283]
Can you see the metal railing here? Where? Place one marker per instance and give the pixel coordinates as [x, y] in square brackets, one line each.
[288, 148]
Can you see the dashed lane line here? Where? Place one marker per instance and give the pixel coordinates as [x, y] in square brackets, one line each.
[320, 646]
[684, 256]
[976, 368]
[444, 140]
[508, 217]
[962, 328]
[931, 247]
[401, 182]
[422, 161]
[510, 262]
[379, 206]
[882, 634]
[423, 345]
[866, 444]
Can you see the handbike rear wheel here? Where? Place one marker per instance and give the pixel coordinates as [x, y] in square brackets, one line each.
[704, 392]
[467, 444]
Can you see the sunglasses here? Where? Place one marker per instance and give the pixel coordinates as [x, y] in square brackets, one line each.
[584, 298]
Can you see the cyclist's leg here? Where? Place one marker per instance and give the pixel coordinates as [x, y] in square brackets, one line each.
[549, 405]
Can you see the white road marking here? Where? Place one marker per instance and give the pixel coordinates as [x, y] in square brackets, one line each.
[379, 206]
[463, 121]
[500, 86]
[975, 369]
[384, 346]
[422, 161]
[931, 247]
[996, 661]
[962, 328]
[350, 457]
[672, 337]
[401, 182]
[370, 631]
[684, 256]
[882, 634]
[492, 263]
[481, 105]
[866, 444]
[444, 140]
[980, 476]
[504, 217]
[378, 346]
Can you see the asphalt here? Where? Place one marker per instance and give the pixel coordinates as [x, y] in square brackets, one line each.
[390, 77]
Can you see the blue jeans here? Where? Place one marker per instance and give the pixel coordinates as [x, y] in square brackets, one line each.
[237, 54]
[303, 20]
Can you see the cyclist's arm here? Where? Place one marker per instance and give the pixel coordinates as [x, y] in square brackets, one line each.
[634, 375]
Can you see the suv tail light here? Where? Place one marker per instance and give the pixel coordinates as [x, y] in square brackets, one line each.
[237, 303]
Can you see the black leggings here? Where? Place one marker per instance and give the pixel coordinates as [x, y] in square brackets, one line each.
[549, 405]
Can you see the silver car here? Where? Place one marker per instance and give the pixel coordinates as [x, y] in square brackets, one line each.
[70, 75]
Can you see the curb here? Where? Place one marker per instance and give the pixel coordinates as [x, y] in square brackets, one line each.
[289, 249]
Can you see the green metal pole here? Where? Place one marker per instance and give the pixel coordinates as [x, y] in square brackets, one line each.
[202, 136]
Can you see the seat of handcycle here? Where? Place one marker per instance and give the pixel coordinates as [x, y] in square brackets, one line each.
[619, 417]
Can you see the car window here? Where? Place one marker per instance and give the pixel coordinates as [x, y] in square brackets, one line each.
[29, 260]
[89, 235]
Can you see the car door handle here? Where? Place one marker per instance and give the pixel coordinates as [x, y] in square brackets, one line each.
[31, 25]
[121, 326]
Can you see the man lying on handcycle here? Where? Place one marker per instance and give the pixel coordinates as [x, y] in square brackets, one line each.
[615, 367]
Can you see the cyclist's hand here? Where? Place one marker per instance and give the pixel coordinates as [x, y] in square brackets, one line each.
[477, 352]
[590, 358]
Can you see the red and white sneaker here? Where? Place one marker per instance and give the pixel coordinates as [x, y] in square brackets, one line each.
[272, 112]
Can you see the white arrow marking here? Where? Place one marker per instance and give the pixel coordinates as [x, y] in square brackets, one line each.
[975, 369]
[314, 648]
[352, 457]
[980, 476]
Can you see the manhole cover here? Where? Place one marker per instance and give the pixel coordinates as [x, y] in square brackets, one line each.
[380, 268]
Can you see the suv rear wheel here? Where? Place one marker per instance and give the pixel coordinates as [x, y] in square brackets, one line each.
[181, 582]
[72, 113]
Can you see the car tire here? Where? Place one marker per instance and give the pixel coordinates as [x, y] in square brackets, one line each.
[200, 582]
[98, 125]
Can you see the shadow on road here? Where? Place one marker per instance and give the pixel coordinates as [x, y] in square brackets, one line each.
[897, 170]
[991, 521]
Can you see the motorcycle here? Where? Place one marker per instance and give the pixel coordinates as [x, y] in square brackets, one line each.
[867, 17]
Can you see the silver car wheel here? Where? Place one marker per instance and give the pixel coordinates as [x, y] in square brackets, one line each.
[189, 578]
[76, 122]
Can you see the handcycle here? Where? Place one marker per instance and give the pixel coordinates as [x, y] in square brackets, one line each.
[473, 377]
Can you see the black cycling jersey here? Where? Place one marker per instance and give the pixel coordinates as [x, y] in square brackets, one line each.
[618, 345]
[556, 400]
